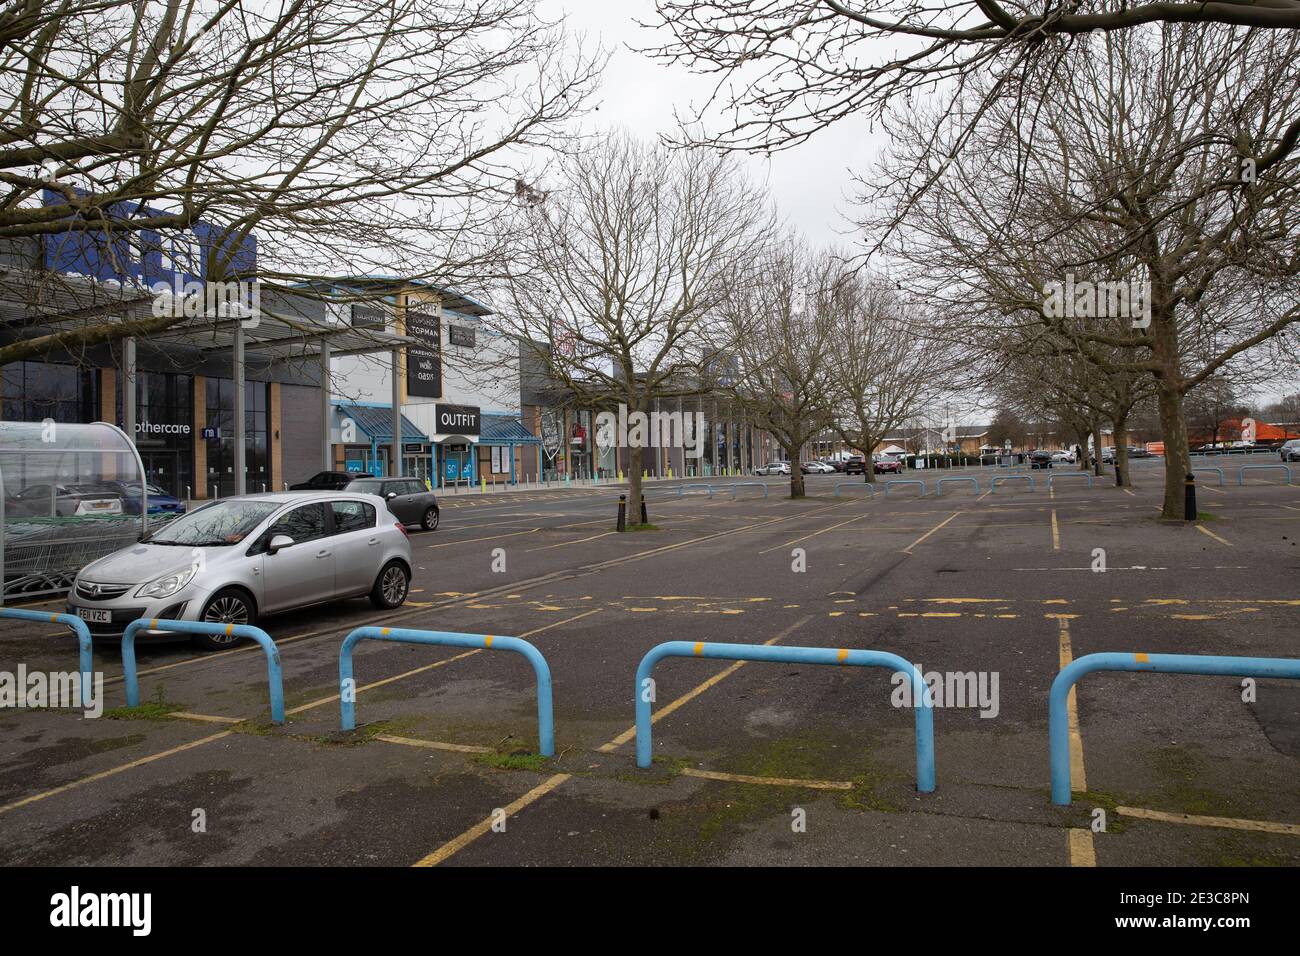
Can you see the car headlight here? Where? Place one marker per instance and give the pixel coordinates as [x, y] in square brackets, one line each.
[168, 585]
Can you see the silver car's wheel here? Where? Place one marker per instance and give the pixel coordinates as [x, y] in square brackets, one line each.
[227, 606]
[391, 586]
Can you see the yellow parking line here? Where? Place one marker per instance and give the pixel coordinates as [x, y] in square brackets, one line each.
[1082, 851]
[767, 781]
[1204, 530]
[1230, 823]
[491, 537]
[813, 534]
[1056, 533]
[432, 744]
[205, 718]
[908, 549]
[112, 771]
[473, 833]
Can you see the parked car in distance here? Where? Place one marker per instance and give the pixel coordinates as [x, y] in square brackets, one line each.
[1138, 451]
[773, 468]
[886, 465]
[837, 464]
[1039, 459]
[1064, 457]
[1290, 451]
[857, 465]
[160, 502]
[65, 501]
[325, 481]
[816, 468]
[408, 499]
[237, 559]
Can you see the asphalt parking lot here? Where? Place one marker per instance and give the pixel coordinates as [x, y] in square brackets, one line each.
[755, 763]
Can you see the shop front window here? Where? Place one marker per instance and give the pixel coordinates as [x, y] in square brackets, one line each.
[221, 446]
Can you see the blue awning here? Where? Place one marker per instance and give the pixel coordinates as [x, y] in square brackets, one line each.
[504, 430]
[377, 423]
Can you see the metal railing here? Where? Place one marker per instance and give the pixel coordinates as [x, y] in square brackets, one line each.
[938, 487]
[993, 484]
[1214, 665]
[1241, 472]
[347, 686]
[274, 677]
[1069, 474]
[748, 484]
[905, 481]
[855, 484]
[1218, 471]
[922, 705]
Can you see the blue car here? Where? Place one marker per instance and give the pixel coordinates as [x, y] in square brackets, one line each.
[159, 501]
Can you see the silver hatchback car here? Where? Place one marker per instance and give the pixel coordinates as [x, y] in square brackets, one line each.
[233, 560]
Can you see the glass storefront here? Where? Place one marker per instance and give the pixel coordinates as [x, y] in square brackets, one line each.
[35, 391]
[164, 428]
[257, 429]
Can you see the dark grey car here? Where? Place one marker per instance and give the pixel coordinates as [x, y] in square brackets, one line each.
[408, 499]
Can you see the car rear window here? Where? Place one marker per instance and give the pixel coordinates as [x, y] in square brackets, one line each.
[352, 516]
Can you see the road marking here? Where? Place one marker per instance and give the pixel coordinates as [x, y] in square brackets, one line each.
[206, 718]
[813, 534]
[1230, 823]
[113, 771]
[432, 744]
[473, 833]
[908, 549]
[1056, 533]
[565, 544]
[1082, 851]
[767, 781]
[491, 537]
[1204, 530]
[532, 796]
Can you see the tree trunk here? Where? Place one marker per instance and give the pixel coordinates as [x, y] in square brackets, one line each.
[1177, 460]
[634, 485]
[1169, 400]
[796, 474]
[1122, 475]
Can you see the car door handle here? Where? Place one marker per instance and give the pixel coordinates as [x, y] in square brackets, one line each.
[324, 553]
[373, 541]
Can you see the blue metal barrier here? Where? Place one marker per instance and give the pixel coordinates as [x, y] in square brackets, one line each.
[938, 488]
[86, 656]
[274, 677]
[993, 485]
[905, 481]
[921, 704]
[1214, 665]
[748, 484]
[1070, 474]
[1241, 472]
[854, 484]
[681, 489]
[1218, 471]
[347, 694]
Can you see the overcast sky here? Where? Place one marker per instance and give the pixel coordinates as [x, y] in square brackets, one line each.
[810, 183]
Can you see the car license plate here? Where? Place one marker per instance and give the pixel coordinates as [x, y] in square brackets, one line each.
[101, 505]
[95, 616]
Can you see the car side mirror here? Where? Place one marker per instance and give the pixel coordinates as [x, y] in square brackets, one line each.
[391, 495]
[278, 542]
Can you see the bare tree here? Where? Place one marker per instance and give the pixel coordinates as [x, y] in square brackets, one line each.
[882, 372]
[620, 267]
[1140, 185]
[781, 328]
[347, 136]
